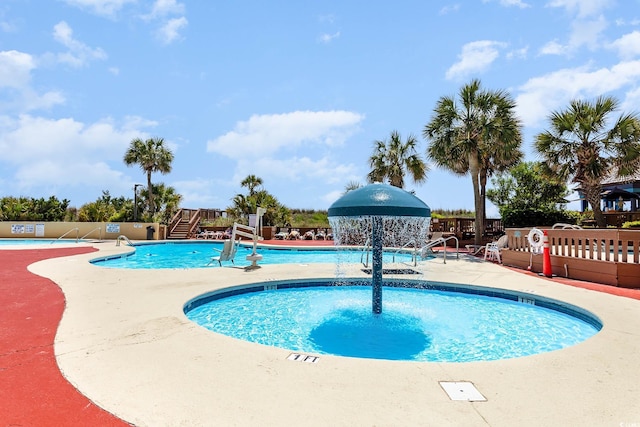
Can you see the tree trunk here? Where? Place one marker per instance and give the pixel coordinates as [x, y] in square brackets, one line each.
[592, 194]
[150, 191]
[477, 199]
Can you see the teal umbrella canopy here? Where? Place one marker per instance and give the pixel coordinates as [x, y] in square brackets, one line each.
[379, 200]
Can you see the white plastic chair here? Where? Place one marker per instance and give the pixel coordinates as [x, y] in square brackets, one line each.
[492, 252]
[492, 249]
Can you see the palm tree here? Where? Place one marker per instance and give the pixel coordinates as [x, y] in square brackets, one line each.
[584, 145]
[351, 185]
[152, 156]
[167, 201]
[394, 158]
[251, 182]
[479, 136]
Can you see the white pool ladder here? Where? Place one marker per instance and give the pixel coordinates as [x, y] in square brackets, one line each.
[125, 238]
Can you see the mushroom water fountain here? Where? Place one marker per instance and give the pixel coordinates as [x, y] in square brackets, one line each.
[385, 215]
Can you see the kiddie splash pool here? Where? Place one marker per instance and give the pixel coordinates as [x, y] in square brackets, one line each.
[422, 321]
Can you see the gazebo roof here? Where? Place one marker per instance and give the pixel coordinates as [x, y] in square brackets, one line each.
[614, 178]
[615, 193]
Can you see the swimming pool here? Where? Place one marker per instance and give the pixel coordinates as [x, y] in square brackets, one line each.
[198, 255]
[421, 321]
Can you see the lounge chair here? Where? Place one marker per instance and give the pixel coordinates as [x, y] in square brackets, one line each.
[282, 234]
[294, 235]
[564, 226]
[227, 253]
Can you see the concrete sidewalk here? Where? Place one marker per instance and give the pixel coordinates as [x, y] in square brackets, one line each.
[125, 342]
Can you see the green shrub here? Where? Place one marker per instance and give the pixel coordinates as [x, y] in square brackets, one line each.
[631, 224]
[535, 218]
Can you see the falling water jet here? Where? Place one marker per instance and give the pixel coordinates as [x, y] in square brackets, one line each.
[376, 203]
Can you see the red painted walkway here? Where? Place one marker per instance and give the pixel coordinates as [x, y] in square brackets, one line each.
[33, 392]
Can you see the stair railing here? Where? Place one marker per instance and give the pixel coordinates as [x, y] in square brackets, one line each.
[174, 221]
[194, 221]
[76, 229]
[99, 233]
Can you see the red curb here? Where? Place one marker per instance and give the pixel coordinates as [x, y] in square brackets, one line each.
[33, 392]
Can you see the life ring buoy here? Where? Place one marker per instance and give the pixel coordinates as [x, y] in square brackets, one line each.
[535, 237]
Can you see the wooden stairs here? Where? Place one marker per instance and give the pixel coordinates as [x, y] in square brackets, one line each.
[180, 231]
[183, 224]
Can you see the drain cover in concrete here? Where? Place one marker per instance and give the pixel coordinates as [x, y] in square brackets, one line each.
[462, 390]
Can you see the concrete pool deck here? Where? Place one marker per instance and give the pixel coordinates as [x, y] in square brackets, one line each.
[125, 343]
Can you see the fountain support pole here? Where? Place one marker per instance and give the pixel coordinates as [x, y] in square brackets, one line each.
[377, 236]
[377, 201]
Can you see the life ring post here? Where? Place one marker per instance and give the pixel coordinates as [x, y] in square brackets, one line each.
[546, 256]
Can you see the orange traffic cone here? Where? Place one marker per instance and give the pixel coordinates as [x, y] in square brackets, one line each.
[546, 255]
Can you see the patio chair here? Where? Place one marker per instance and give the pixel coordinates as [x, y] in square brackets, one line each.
[294, 235]
[492, 250]
[282, 234]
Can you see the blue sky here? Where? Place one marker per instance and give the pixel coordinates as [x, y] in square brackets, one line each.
[293, 92]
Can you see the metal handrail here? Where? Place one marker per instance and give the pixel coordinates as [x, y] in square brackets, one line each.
[414, 257]
[77, 230]
[99, 234]
[125, 238]
[443, 241]
[365, 250]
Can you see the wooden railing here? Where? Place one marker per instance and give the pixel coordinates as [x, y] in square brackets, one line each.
[464, 228]
[193, 217]
[609, 256]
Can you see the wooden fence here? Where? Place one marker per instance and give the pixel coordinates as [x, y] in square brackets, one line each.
[609, 256]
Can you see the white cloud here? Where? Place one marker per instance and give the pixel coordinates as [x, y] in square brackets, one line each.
[163, 8]
[553, 48]
[269, 146]
[170, 31]
[631, 101]
[518, 53]
[7, 27]
[78, 54]
[164, 12]
[265, 135]
[475, 57]
[15, 74]
[449, 9]
[587, 32]
[48, 153]
[581, 8]
[197, 192]
[583, 33]
[107, 8]
[628, 46]
[509, 3]
[541, 95]
[327, 38]
[15, 68]
[61, 139]
[587, 26]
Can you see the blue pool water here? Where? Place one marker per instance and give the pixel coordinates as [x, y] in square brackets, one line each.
[198, 255]
[416, 324]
